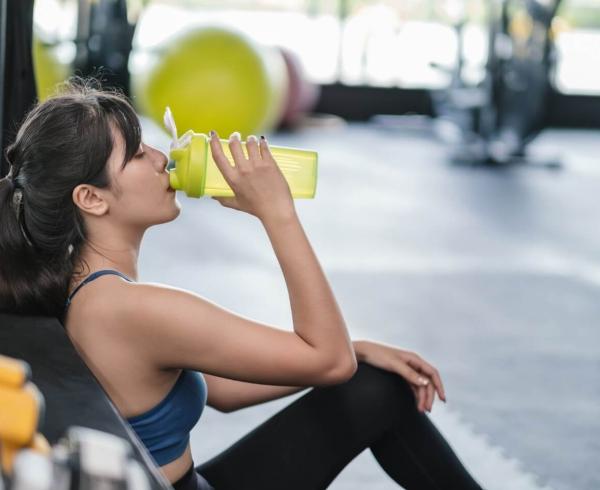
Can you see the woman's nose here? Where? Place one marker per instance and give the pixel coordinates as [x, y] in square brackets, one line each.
[163, 160]
[160, 158]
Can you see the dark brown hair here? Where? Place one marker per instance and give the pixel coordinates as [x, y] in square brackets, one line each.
[63, 142]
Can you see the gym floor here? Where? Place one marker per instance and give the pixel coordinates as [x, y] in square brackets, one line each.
[492, 275]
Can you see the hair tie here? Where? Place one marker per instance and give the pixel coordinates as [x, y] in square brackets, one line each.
[17, 192]
[17, 198]
[17, 203]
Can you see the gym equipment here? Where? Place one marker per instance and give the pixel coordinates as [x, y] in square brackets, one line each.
[193, 170]
[302, 94]
[85, 459]
[494, 121]
[21, 410]
[48, 68]
[73, 396]
[103, 42]
[212, 78]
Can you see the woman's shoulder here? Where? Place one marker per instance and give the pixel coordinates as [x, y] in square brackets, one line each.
[135, 298]
[113, 293]
[112, 299]
[110, 320]
[141, 307]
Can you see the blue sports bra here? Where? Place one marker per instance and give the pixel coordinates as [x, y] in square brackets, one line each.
[165, 428]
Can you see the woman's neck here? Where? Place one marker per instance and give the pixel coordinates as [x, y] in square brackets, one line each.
[109, 254]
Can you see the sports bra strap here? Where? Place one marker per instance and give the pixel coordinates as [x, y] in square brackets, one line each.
[91, 277]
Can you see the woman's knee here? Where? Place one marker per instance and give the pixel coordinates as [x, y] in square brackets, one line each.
[377, 383]
[376, 392]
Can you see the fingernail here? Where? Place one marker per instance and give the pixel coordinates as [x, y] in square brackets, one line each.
[235, 136]
[212, 133]
[262, 137]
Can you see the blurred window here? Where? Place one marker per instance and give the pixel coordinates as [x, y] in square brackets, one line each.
[577, 31]
[393, 43]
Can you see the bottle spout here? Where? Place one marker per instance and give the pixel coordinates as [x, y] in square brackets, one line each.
[170, 125]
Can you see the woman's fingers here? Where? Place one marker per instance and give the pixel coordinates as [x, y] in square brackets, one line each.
[422, 398]
[228, 202]
[412, 376]
[220, 159]
[252, 148]
[424, 388]
[430, 396]
[420, 364]
[418, 392]
[235, 147]
[265, 151]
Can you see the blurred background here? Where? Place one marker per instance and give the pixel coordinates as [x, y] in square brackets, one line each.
[456, 211]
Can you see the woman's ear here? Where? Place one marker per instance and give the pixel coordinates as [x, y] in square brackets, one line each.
[90, 199]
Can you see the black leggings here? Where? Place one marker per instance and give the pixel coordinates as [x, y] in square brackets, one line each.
[309, 442]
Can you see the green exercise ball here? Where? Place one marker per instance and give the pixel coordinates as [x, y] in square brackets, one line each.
[212, 78]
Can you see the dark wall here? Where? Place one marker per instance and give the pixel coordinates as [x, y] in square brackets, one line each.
[18, 80]
[573, 111]
[360, 103]
[3, 7]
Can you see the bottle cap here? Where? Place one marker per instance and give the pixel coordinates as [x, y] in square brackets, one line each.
[187, 159]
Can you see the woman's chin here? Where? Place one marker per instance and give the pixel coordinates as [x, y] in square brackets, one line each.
[172, 214]
[176, 210]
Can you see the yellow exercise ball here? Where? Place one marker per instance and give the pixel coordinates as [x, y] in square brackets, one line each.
[48, 67]
[212, 78]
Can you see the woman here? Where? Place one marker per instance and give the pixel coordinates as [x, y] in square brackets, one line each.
[82, 190]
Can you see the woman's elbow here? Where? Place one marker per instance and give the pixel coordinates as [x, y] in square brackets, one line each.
[341, 372]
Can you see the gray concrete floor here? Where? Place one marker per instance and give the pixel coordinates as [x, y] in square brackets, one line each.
[491, 275]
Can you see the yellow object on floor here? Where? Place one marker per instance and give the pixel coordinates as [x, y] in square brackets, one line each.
[20, 406]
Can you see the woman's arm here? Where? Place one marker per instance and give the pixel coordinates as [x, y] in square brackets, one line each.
[173, 328]
[228, 395]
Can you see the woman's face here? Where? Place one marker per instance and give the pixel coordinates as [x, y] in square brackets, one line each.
[143, 197]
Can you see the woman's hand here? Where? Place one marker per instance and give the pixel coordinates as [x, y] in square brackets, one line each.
[259, 185]
[422, 377]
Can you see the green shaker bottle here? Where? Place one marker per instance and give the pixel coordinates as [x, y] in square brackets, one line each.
[193, 170]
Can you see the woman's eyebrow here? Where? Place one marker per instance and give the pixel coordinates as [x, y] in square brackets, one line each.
[125, 162]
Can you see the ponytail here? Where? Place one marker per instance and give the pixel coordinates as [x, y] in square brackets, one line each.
[25, 280]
